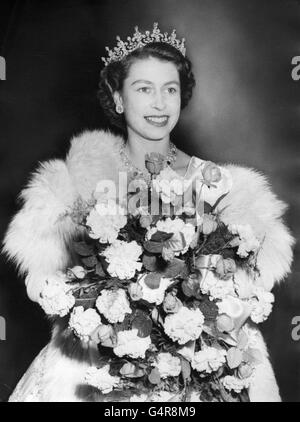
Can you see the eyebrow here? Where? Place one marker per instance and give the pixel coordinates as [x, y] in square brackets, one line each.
[151, 83]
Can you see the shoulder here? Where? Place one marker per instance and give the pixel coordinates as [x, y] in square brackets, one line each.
[92, 156]
[252, 189]
[251, 200]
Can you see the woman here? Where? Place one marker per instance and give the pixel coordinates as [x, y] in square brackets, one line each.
[144, 85]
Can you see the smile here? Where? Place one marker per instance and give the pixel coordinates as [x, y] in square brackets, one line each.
[159, 121]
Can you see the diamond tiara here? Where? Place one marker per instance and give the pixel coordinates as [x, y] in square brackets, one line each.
[140, 39]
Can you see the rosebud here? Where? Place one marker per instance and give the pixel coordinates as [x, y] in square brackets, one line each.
[135, 291]
[171, 303]
[245, 370]
[145, 220]
[190, 287]
[168, 254]
[211, 173]
[225, 323]
[154, 162]
[225, 268]
[105, 335]
[209, 224]
[77, 272]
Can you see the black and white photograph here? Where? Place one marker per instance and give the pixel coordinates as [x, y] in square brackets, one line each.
[149, 211]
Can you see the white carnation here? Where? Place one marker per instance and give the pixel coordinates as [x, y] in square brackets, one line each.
[154, 295]
[247, 240]
[185, 325]
[130, 344]
[231, 382]
[168, 365]
[56, 297]
[261, 305]
[83, 323]
[113, 304]
[169, 185]
[183, 234]
[105, 221]
[209, 359]
[123, 259]
[101, 379]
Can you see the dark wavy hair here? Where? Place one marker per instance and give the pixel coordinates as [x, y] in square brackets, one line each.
[113, 75]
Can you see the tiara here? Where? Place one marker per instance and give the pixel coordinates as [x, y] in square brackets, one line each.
[140, 39]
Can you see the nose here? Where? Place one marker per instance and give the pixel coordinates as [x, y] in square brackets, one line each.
[158, 101]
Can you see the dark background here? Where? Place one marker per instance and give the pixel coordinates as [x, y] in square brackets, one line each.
[245, 110]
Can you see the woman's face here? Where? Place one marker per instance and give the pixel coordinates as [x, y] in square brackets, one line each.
[151, 98]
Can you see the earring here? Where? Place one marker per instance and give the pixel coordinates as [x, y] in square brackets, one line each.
[119, 109]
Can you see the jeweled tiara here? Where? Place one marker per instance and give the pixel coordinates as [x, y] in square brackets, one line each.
[140, 39]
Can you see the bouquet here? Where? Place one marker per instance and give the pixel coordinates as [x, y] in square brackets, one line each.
[165, 289]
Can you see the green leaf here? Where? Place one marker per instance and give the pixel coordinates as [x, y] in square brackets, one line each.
[153, 247]
[152, 280]
[142, 323]
[83, 249]
[175, 268]
[209, 309]
[99, 270]
[89, 261]
[218, 201]
[161, 236]
[185, 370]
[149, 262]
[234, 357]
[85, 302]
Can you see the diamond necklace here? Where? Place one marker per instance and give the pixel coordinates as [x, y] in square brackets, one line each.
[168, 160]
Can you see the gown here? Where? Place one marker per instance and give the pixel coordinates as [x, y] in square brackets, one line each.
[57, 373]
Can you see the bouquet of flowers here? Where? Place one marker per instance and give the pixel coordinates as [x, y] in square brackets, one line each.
[164, 288]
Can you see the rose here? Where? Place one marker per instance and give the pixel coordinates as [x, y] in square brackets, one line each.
[168, 254]
[105, 335]
[171, 303]
[225, 323]
[225, 268]
[145, 221]
[77, 272]
[209, 224]
[135, 291]
[211, 173]
[245, 370]
[190, 287]
[154, 162]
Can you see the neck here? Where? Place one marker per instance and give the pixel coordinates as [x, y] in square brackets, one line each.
[137, 147]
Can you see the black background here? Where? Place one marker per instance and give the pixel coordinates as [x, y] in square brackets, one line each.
[245, 110]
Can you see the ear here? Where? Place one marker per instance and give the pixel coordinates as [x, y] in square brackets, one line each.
[118, 98]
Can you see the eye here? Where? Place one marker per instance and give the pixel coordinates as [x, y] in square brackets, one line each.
[144, 89]
[172, 90]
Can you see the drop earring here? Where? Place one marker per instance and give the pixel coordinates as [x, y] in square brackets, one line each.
[119, 109]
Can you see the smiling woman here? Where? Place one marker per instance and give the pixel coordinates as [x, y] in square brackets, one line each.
[145, 83]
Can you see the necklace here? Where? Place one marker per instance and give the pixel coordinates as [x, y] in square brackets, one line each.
[169, 160]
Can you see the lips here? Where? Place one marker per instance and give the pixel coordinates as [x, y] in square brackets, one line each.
[158, 121]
